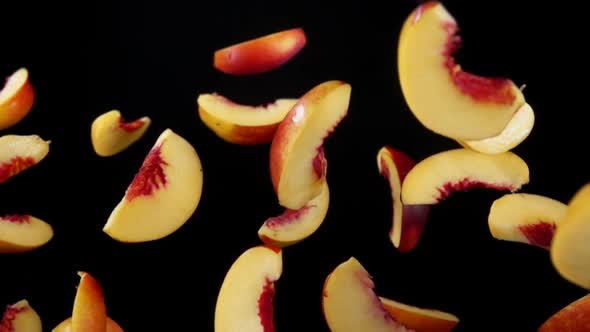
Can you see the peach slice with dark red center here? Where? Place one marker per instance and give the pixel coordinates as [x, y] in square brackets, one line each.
[575, 317]
[245, 299]
[21, 317]
[408, 221]
[437, 177]
[242, 124]
[111, 134]
[16, 98]
[89, 313]
[21, 233]
[163, 195]
[66, 326]
[526, 218]
[20, 152]
[444, 98]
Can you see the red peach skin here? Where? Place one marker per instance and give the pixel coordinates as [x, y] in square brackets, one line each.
[89, 313]
[16, 99]
[575, 317]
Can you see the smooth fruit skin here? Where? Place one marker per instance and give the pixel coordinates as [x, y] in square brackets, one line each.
[575, 317]
[16, 99]
[420, 319]
[89, 312]
[66, 326]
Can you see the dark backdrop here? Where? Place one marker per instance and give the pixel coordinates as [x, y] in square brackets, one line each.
[155, 58]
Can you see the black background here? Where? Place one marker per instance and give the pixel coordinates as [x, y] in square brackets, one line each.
[154, 58]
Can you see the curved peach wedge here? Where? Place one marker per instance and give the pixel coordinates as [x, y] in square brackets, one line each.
[245, 300]
[260, 54]
[575, 317]
[242, 124]
[89, 313]
[16, 98]
[20, 152]
[408, 221]
[163, 195]
[66, 326]
[440, 175]
[526, 218]
[294, 226]
[110, 134]
[443, 97]
[21, 233]
[297, 164]
[420, 319]
[21, 317]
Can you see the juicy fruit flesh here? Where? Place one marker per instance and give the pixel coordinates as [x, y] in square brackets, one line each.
[246, 115]
[467, 184]
[287, 217]
[17, 218]
[15, 166]
[13, 83]
[150, 177]
[266, 307]
[130, 126]
[539, 234]
[9, 316]
[20, 233]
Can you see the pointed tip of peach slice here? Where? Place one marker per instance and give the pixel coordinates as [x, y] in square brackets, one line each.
[16, 98]
[22, 233]
[420, 319]
[111, 134]
[89, 311]
[437, 177]
[575, 317]
[66, 326]
[20, 152]
[20, 317]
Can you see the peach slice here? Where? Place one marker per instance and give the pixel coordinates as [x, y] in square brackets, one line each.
[19, 152]
[20, 317]
[89, 313]
[440, 175]
[575, 317]
[110, 134]
[16, 98]
[570, 253]
[297, 164]
[66, 326]
[21, 233]
[245, 300]
[443, 97]
[163, 195]
[517, 130]
[408, 221]
[294, 226]
[260, 54]
[526, 218]
[419, 319]
[242, 124]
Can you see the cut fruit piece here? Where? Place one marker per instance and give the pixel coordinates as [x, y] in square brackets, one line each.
[66, 326]
[526, 218]
[16, 99]
[261, 54]
[20, 317]
[110, 134]
[21, 233]
[163, 195]
[19, 152]
[570, 253]
[408, 221]
[294, 226]
[439, 176]
[89, 313]
[419, 319]
[575, 317]
[242, 124]
[443, 97]
[517, 130]
[245, 300]
[297, 164]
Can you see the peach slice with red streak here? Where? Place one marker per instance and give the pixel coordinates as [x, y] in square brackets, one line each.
[89, 313]
[443, 97]
[245, 299]
[260, 54]
[16, 98]
[66, 326]
[163, 195]
[20, 152]
[22, 233]
[526, 218]
[420, 319]
[297, 163]
[575, 317]
[408, 221]
[242, 124]
[294, 226]
[437, 177]
[110, 134]
[21, 317]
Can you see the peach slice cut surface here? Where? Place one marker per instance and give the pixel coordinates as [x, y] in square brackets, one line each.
[89, 313]
[21, 317]
[420, 319]
[111, 134]
[16, 98]
[22, 233]
[66, 326]
[575, 317]
[20, 152]
[242, 124]
[444, 98]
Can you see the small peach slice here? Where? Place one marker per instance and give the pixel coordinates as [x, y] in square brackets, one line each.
[19, 152]
[261, 54]
[294, 226]
[20, 317]
[66, 326]
[517, 130]
[245, 300]
[575, 317]
[163, 195]
[110, 134]
[440, 175]
[242, 124]
[570, 252]
[297, 164]
[408, 221]
[21, 233]
[419, 319]
[526, 218]
[89, 313]
[443, 97]
[16, 98]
